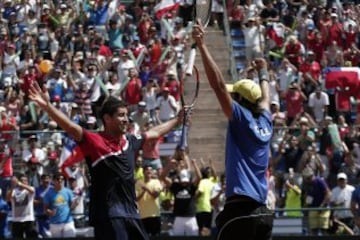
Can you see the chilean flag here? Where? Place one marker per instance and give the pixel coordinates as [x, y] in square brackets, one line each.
[342, 78]
[276, 32]
[70, 155]
[165, 6]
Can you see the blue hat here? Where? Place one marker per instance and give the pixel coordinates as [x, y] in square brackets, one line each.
[136, 38]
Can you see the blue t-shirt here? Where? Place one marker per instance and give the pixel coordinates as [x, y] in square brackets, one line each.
[247, 153]
[40, 192]
[61, 202]
[4, 211]
[355, 197]
[317, 190]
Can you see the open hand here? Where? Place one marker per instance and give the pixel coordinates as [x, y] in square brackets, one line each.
[39, 96]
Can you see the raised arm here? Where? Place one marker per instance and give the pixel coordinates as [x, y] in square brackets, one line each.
[213, 73]
[261, 66]
[41, 98]
[165, 127]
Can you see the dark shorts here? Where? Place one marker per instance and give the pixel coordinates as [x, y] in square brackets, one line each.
[152, 225]
[120, 229]
[246, 218]
[204, 219]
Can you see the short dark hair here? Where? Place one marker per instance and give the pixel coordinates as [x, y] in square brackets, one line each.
[110, 105]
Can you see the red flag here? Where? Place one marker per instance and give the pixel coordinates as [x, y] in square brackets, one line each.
[165, 6]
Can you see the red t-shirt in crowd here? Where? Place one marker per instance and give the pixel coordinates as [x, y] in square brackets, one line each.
[133, 91]
[174, 88]
[27, 81]
[342, 99]
[6, 170]
[313, 68]
[334, 34]
[350, 39]
[294, 103]
[7, 127]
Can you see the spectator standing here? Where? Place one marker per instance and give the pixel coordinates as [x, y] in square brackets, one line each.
[34, 157]
[203, 202]
[41, 216]
[167, 105]
[148, 192]
[4, 222]
[319, 103]
[58, 202]
[341, 197]
[6, 165]
[317, 195]
[21, 195]
[294, 99]
[140, 115]
[183, 190]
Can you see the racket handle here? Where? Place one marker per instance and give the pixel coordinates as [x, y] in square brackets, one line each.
[191, 62]
[183, 140]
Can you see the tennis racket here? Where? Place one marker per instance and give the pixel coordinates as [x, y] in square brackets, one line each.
[202, 13]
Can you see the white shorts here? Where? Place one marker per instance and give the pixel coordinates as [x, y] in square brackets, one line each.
[185, 226]
[61, 230]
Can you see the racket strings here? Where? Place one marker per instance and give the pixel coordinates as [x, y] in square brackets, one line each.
[203, 11]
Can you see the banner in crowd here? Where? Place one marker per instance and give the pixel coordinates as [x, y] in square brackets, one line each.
[165, 6]
[70, 155]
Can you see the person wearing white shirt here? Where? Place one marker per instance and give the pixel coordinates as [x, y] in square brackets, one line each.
[167, 106]
[341, 197]
[11, 61]
[21, 195]
[254, 39]
[319, 102]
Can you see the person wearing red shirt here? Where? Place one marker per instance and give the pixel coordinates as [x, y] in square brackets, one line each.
[137, 47]
[310, 37]
[7, 123]
[294, 99]
[352, 55]
[350, 36]
[173, 85]
[151, 151]
[318, 47]
[27, 79]
[310, 73]
[335, 31]
[293, 51]
[133, 90]
[6, 169]
[154, 51]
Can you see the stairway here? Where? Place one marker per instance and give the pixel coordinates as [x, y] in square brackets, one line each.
[208, 130]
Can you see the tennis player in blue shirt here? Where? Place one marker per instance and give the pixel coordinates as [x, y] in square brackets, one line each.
[246, 105]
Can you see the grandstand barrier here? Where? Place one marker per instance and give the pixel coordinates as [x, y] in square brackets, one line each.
[213, 238]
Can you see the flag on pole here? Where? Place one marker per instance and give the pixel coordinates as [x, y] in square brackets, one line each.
[276, 32]
[165, 6]
[70, 155]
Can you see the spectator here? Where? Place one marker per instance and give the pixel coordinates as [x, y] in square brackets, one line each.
[148, 192]
[167, 105]
[78, 211]
[6, 165]
[292, 195]
[151, 151]
[141, 115]
[4, 221]
[34, 157]
[184, 190]
[341, 197]
[294, 98]
[58, 202]
[21, 195]
[319, 102]
[42, 219]
[317, 195]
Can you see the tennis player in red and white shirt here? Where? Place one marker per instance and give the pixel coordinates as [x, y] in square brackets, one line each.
[110, 156]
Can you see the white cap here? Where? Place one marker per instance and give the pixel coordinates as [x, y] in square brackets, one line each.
[45, 6]
[341, 176]
[334, 15]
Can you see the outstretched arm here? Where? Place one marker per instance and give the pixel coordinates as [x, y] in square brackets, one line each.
[165, 127]
[213, 73]
[41, 98]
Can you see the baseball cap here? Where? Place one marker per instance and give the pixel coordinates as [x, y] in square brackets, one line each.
[166, 89]
[247, 88]
[142, 104]
[184, 176]
[33, 137]
[341, 176]
[334, 15]
[2, 109]
[91, 120]
[303, 120]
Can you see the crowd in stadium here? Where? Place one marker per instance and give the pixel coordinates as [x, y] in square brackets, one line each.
[84, 51]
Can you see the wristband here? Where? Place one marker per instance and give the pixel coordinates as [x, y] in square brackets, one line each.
[263, 75]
